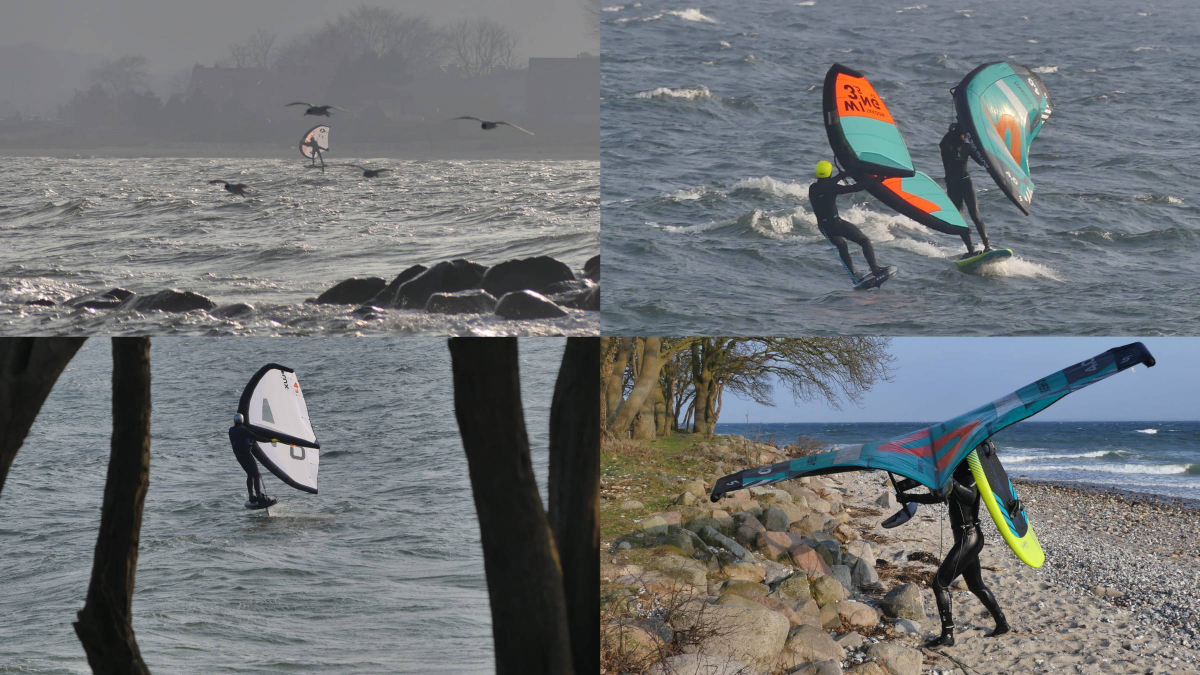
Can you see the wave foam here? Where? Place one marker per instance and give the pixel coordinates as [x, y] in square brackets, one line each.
[689, 93]
[774, 187]
[1136, 469]
[1019, 268]
[1045, 69]
[1147, 431]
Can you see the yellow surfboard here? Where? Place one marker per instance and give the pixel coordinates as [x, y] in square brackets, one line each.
[997, 492]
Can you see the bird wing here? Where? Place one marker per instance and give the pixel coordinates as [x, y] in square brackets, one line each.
[299, 103]
[468, 118]
[385, 169]
[337, 108]
[214, 182]
[518, 128]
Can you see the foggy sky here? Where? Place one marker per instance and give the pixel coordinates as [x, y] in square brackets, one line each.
[175, 34]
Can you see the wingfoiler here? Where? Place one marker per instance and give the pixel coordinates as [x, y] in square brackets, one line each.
[273, 407]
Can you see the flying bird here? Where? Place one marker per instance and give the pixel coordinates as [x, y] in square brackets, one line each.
[367, 173]
[486, 125]
[238, 189]
[318, 110]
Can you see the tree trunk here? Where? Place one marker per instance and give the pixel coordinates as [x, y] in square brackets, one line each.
[525, 585]
[661, 419]
[29, 367]
[701, 377]
[647, 380]
[105, 625]
[643, 425]
[575, 494]
[615, 385]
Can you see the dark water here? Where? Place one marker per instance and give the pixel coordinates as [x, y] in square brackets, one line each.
[380, 572]
[73, 226]
[1154, 457]
[711, 127]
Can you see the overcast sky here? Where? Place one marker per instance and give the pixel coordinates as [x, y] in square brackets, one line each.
[938, 378]
[175, 34]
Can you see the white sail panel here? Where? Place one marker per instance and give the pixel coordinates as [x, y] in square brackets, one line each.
[273, 406]
[318, 134]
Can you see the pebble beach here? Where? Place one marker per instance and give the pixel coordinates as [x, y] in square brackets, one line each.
[798, 577]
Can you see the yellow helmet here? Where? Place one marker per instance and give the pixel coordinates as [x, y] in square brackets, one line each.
[824, 169]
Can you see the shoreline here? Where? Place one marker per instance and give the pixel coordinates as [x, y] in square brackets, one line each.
[1119, 592]
[345, 152]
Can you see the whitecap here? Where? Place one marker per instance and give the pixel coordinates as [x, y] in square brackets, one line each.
[775, 187]
[1045, 69]
[691, 14]
[689, 93]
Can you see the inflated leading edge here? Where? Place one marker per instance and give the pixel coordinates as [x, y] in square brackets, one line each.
[930, 455]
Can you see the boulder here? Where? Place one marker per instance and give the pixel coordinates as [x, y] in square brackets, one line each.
[699, 663]
[844, 533]
[387, 296]
[445, 277]
[528, 305]
[712, 537]
[40, 302]
[809, 612]
[721, 525]
[857, 614]
[862, 549]
[630, 505]
[808, 524]
[655, 525]
[572, 287]
[794, 511]
[907, 626]
[897, 659]
[744, 571]
[904, 602]
[807, 558]
[888, 501]
[169, 300]
[775, 520]
[809, 643]
[820, 506]
[830, 551]
[107, 300]
[826, 590]
[236, 309]
[774, 545]
[864, 575]
[587, 300]
[794, 587]
[842, 574]
[851, 640]
[471, 301]
[745, 633]
[533, 274]
[830, 617]
[746, 589]
[353, 291]
[683, 542]
[682, 568]
[591, 268]
[696, 487]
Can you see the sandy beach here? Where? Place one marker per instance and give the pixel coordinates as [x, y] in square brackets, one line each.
[1118, 592]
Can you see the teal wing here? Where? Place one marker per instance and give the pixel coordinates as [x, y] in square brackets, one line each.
[1003, 105]
[930, 455]
[919, 198]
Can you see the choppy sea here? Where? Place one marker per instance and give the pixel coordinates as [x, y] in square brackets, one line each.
[69, 227]
[380, 572]
[711, 126]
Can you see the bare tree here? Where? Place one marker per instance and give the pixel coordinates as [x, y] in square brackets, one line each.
[29, 367]
[592, 12]
[479, 46]
[105, 625]
[119, 76]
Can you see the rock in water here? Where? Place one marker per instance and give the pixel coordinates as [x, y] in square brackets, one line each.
[588, 300]
[445, 277]
[169, 301]
[904, 602]
[106, 300]
[352, 291]
[573, 287]
[233, 310]
[40, 302]
[528, 305]
[532, 274]
[591, 268]
[473, 301]
[387, 297]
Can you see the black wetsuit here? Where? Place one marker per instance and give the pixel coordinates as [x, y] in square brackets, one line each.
[962, 498]
[823, 196]
[242, 438]
[959, 187]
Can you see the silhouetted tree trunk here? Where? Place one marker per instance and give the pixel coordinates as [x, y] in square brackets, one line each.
[105, 623]
[29, 367]
[616, 381]
[525, 585]
[575, 494]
